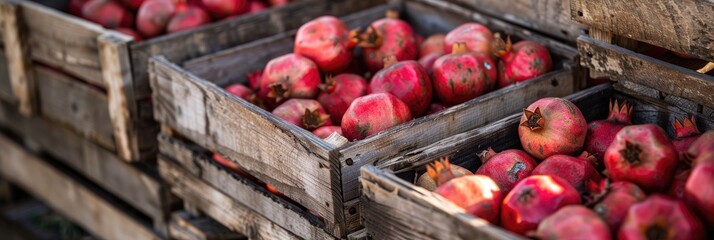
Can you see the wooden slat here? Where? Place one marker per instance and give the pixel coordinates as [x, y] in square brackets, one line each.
[67, 195]
[184, 226]
[682, 26]
[293, 160]
[241, 190]
[17, 53]
[5, 86]
[549, 16]
[625, 65]
[75, 104]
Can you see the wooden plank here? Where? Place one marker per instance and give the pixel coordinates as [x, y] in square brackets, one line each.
[396, 209]
[5, 86]
[79, 106]
[68, 195]
[549, 16]
[184, 226]
[17, 53]
[625, 65]
[293, 160]
[58, 39]
[243, 191]
[682, 26]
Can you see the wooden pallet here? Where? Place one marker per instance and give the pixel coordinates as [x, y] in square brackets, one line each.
[321, 176]
[70, 195]
[395, 208]
[108, 69]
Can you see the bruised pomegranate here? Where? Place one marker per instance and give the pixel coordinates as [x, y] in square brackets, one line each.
[406, 80]
[613, 200]
[154, 16]
[573, 222]
[698, 192]
[338, 93]
[326, 131]
[372, 114]
[704, 145]
[304, 113]
[386, 37]
[289, 76]
[477, 194]
[643, 155]
[436, 107]
[520, 62]
[533, 199]
[108, 13]
[433, 44]
[191, 17]
[478, 38]
[659, 217]
[685, 133]
[552, 126]
[578, 171]
[507, 168]
[676, 188]
[463, 75]
[220, 9]
[325, 41]
[602, 132]
[439, 173]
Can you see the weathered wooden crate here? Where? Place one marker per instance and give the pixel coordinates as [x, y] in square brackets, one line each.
[319, 175]
[137, 184]
[108, 70]
[395, 208]
[185, 226]
[32, 219]
[70, 195]
[551, 17]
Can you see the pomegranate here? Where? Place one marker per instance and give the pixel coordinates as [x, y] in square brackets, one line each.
[698, 192]
[507, 168]
[433, 44]
[254, 79]
[552, 126]
[304, 113]
[520, 62]
[275, 3]
[573, 222]
[428, 62]
[75, 7]
[325, 41]
[439, 173]
[326, 131]
[685, 133]
[241, 91]
[373, 113]
[256, 6]
[130, 32]
[132, 4]
[220, 9]
[578, 171]
[386, 37]
[614, 199]
[436, 107]
[406, 80]
[533, 199]
[676, 188]
[418, 38]
[191, 17]
[338, 93]
[643, 155]
[602, 132]
[108, 13]
[704, 145]
[154, 16]
[463, 75]
[659, 217]
[478, 38]
[289, 76]
[477, 194]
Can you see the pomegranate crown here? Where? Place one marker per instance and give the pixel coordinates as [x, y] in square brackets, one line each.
[279, 91]
[390, 60]
[313, 119]
[620, 113]
[440, 171]
[459, 47]
[499, 47]
[589, 157]
[534, 120]
[329, 85]
[366, 38]
[486, 155]
[686, 128]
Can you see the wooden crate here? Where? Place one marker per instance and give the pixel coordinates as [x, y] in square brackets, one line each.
[551, 17]
[395, 208]
[318, 175]
[32, 219]
[108, 69]
[70, 195]
[137, 184]
[185, 226]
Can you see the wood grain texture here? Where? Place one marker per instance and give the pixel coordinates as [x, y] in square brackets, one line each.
[68, 195]
[5, 85]
[548, 16]
[18, 55]
[184, 226]
[683, 26]
[243, 191]
[625, 65]
[74, 104]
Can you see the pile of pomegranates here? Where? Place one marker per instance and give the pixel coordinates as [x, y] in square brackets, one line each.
[144, 19]
[326, 87]
[635, 183]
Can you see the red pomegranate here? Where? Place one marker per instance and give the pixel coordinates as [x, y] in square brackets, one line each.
[289, 76]
[190, 18]
[704, 145]
[463, 75]
[578, 171]
[241, 91]
[154, 16]
[676, 188]
[433, 44]
[220, 9]
[75, 7]
[520, 62]
[386, 37]
[477, 194]
[698, 192]
[552, 126]
[602, 132]
[478, 38]
[573, 222]
[436, 107]
[659, 217]
[304, 113]
[428, 62]
[254, 79]
[256, 6]
[613, 200]
[108, 13]
[132, 4]
[685, 133]
[533, 199]
[325, 41]
[507, 168]
[373, 113]
[326, 131]
[130, 32]
[439, 173]
[643, 155]
[406, 80]
[338, 93]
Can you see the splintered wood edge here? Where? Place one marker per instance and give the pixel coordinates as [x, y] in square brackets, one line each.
[17, 53]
